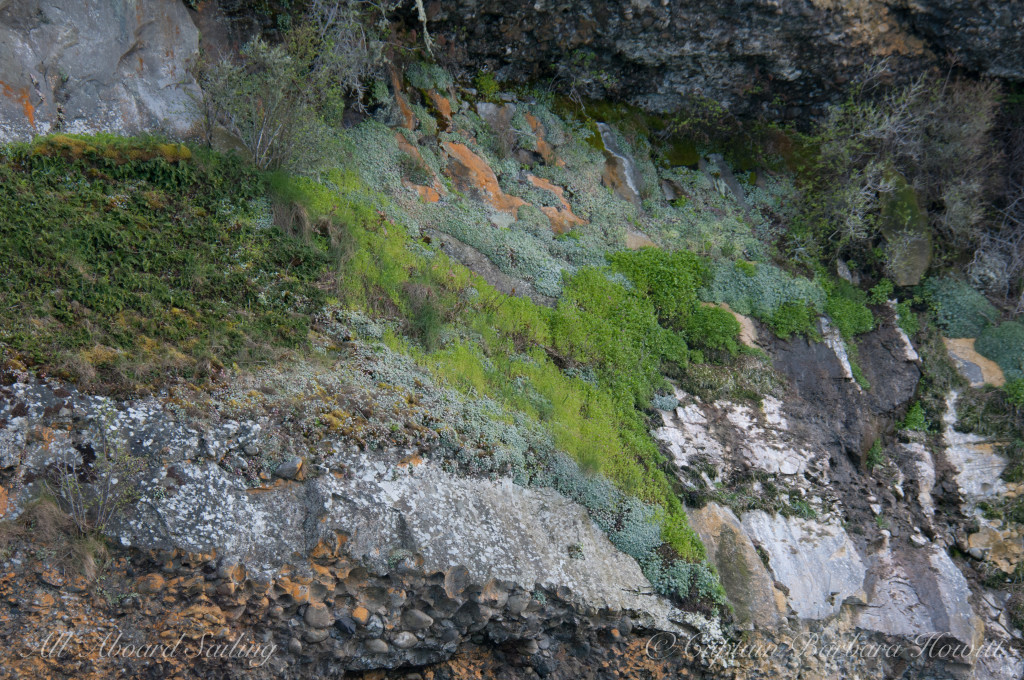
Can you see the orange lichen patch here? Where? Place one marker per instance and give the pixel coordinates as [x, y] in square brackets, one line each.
[562, 219]
[963, 349]
[414, 460]
[3, 501]
[296, 588]
[21, 96]
[426, 194]
[471, 173]
[443, 106]
[546, 151]
[635, 240]
[150, 584]
[361, 615]
[273, 485]
[403, 104]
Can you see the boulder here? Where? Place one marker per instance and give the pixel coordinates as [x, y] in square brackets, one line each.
[96, 65]
[747, 582]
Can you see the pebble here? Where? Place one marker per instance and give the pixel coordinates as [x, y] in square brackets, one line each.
[289, 469]
[377, 646]
[414, 619]
[405, 640]
[318, 616]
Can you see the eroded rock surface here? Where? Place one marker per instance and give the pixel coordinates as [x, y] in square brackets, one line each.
[93, 66]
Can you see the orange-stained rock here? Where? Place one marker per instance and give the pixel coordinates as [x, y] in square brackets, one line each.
[405, 146]
[443, 106]
[616, 178]
[150, 584]
[471, 173]
[546, 151]
[427, 194]
[3, 501]
[562, 219]
[361, 615]
[408, 117]
[413, 460]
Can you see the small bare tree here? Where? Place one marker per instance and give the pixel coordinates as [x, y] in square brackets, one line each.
[93, 492]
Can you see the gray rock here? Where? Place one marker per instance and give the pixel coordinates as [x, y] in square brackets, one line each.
[295, 646]
[913, 592]
[318, 616]
[289, 469]
[747, 583]
[414, 619]
[95, 65]
[817, 562]
[376, 646]
[658, 54]
[517, 604]
[315, 635]
[405, 640]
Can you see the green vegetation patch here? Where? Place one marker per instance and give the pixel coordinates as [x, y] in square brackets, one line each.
[1004, 344]
[960, 311]
[761, 290]
[129, 261]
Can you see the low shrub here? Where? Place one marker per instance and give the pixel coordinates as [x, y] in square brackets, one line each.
[713, 328]
[761, 294]
[960, 311]
[915, 419]
[875, 456]
[1004, 344]
[669, 279]
[794, 317]
[881, 292]
[846, 307]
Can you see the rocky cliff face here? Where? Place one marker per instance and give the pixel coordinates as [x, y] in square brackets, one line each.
[344, 512]
[783, 59]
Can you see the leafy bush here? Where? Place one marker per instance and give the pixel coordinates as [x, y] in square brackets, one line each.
[915, 419]
[846, 307]
[1004, 344]
[713, 328]
[886, 151]
[794, 317]
[960, 311]
[265, 101]
[669, 279]
[880, 293]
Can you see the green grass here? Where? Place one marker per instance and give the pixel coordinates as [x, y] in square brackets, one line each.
[131, 261]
